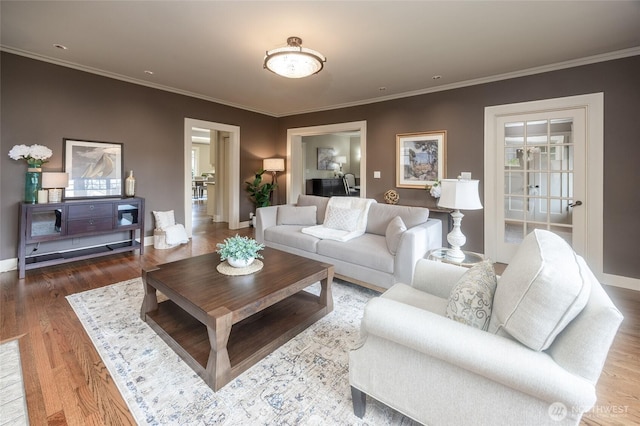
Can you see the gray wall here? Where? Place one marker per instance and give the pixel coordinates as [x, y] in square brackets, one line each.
[461, 113]
[42, 103]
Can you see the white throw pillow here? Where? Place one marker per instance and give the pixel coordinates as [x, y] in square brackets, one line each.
[393, 234]
[296, 215]
[540, 292]
[341, 218]
[164, 219]
[471, 298]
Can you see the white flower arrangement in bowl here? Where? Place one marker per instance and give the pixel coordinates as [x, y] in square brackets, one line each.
[239, 251]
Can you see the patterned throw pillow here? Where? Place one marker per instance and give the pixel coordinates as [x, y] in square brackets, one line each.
[342, 219]
[164, 219]
[471, 298]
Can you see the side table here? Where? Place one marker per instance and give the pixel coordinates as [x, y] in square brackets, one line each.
[440, 255]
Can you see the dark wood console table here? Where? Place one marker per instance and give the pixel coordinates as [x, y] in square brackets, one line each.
[74, 219]
[328, 187]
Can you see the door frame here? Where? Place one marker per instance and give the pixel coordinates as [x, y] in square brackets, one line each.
[295, 154]
[593, 104]
[232, 161]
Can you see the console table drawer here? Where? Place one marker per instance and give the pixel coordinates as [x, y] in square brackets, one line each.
[89, 225]
[90, 210]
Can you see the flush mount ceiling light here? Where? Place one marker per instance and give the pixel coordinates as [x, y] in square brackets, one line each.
[294, 61]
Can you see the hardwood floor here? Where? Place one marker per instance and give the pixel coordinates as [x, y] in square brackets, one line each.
[67, 383]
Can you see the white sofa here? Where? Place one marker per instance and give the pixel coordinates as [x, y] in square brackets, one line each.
[537, 363]
[366, 260]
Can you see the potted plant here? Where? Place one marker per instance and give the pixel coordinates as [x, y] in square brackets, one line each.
[239, 251]
[260, 192]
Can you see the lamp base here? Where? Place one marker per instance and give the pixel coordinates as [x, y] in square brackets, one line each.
[55, 195]
[456, 239]
[454, 254]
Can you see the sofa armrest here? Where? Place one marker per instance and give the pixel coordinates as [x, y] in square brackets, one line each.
[437, 278]
[496, 358]
[265, 218]
[414, 245]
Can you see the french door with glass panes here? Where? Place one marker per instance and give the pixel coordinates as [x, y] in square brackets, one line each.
[542, 158]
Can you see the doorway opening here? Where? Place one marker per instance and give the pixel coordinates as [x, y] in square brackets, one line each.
[227, 170]
[300, 165]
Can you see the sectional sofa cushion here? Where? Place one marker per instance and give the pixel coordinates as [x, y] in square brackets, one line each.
[369, 251]
[381, 214]
[291, 236]
[540, 292]
[312, 200]
[393, 234]
[297, 215]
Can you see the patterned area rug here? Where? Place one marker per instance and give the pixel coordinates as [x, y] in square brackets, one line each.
[304, 382]
[13, 404]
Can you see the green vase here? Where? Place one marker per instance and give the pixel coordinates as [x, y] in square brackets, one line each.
[32, 183]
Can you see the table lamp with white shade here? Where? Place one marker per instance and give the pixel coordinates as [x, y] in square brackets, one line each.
[55, 182]
[458, 194]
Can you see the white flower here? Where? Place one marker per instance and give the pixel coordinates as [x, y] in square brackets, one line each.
[33, 153]
[435, 190]
[19, 152]
[40, 152]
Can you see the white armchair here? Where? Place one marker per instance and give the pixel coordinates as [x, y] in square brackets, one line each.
[441, 372]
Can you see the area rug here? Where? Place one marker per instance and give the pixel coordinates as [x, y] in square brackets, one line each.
[13, 403]
[304, 382]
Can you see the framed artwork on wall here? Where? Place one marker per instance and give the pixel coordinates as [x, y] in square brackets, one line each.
[421, 158]
[325, 159]
[95, 168]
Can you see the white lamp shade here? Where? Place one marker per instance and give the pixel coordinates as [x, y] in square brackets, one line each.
[459, 194]
[340, 159]
[55, 180]
[273, 164]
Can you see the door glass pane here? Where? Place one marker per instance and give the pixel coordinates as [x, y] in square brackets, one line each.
[513, 208]
[536, 209]
[514, 183]
[561, 185]
[513, 232]
[512, 158]
[514, 133]
[560, 212]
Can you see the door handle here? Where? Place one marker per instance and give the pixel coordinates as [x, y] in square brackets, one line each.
[577, 203]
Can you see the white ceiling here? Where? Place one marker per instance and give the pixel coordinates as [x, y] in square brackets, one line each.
[214, 49]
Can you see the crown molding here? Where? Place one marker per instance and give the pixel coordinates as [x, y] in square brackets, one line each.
[121, 77]
[619, 54]
[609, 56]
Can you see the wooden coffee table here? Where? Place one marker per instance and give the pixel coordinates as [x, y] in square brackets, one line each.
[221, 325]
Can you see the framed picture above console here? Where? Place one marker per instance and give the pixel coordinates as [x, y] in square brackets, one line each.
[421, 159]
[95, 169]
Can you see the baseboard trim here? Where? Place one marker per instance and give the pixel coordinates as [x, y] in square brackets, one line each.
[7, 265]
[620, 281]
